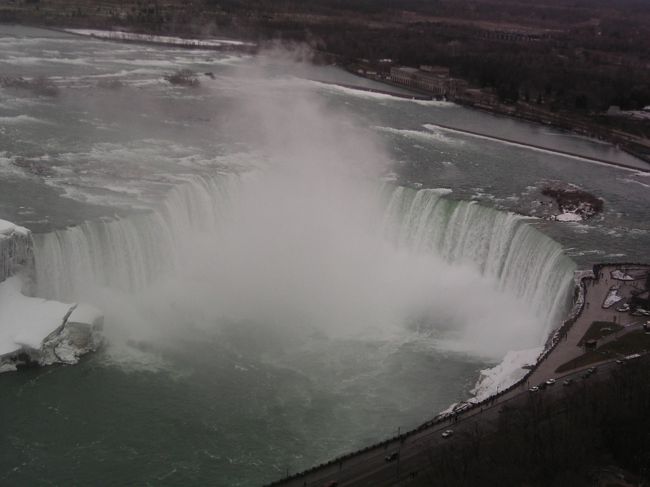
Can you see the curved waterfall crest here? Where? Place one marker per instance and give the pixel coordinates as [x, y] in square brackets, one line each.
[501, 245]
[131, 252]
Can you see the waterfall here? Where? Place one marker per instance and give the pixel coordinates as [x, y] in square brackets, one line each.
[501, 245]
[16, 249]
[129, 253]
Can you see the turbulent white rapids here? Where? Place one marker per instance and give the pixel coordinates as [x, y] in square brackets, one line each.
[128, 254]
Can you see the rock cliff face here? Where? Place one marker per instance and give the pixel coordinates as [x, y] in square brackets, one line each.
[35, 331]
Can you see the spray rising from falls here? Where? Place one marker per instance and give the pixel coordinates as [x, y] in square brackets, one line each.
[300, 261]
[300, 243]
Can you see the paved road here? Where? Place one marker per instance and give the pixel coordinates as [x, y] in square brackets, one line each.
[370, 468]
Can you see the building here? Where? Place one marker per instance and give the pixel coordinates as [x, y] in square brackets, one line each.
[433, 79]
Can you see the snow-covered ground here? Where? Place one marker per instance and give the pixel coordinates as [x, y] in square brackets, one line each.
[48, 331]
[512, 369]
[612, 297]
[621, 276]
[25, 321]
[503, 375]
[7, 229]
[117, 35]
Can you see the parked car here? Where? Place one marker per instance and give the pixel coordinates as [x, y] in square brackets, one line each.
[447, 433]
[567, 382]
[391, 457]
[550, 382]
[534, 389]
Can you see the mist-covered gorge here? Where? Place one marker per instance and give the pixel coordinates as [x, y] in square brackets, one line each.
[269, 301]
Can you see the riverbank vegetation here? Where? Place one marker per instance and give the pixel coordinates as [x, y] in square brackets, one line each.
[557, 62]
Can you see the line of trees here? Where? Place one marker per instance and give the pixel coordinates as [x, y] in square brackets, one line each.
[596, 428]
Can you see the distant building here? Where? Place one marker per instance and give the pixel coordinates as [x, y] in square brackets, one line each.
[513, 36]
[434, 79]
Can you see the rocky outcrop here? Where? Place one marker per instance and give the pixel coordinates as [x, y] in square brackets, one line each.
[573, 203]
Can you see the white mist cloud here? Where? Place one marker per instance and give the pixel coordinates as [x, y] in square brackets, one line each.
[301, 245]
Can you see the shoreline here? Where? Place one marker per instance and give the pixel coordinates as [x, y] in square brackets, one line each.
[551, 339]
[574, 155]
[541, 148]
[193, 43]
[418, 442]
[623, 141]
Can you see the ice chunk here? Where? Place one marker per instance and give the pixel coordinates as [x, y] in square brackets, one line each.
[43, 332]
[568, 216]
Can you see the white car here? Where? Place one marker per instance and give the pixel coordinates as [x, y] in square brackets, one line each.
[447, 433]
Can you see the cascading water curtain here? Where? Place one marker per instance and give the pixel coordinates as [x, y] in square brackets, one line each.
[500, 245]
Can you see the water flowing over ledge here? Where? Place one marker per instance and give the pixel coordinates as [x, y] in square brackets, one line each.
[129, 253]
[501, 245]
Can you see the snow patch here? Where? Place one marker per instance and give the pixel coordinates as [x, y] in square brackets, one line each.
[117, 35]
[621, 276]
[46, 332]
[8, 229]
[612, 297]
[25, 321]
[568, 216]
[364, 92]
[503, 375]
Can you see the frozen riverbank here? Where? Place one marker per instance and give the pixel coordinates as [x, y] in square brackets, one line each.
[117, 35]
[35, 331]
